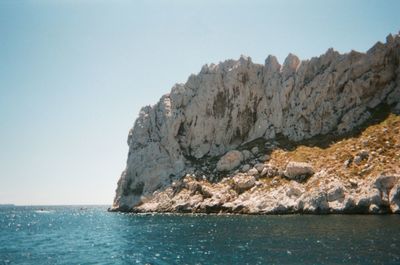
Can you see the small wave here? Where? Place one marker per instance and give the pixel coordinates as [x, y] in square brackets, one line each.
[43, 211]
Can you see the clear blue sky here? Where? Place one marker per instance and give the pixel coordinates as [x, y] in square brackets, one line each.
[74, 74]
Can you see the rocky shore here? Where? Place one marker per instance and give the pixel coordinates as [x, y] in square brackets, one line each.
[314, 136]
[354, 175]
[246, 194]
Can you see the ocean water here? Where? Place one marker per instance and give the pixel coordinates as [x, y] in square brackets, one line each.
[91, 235]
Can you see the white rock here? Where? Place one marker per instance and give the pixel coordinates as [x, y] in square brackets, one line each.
[394, 198]
[298, 170]
[230, 161]
[252, 172]
[335, 193]
[323, 193]
[295, 190]
[353, 183]
[263, 172]
[347, 163]
[363, 154]
[357, 160]
[244, 182]
[384, 184]
[373, 208]
[368, 196]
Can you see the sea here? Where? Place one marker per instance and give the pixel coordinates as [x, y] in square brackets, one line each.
[91, 235]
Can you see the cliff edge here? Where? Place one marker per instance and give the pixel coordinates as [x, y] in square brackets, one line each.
[228, 139]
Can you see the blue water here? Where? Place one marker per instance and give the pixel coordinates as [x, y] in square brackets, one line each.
[71, 235]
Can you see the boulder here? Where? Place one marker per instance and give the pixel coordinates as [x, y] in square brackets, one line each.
[384, 184]
[263, 172]
[193, 187]
[394, 199]
[272, 171]
[229, 161]
[363, 154]
[298, 170]
[252, 172]
[264, 158]
[357, 160]
[245, 168]
[373, 208]
[210, 205]
[247, 155]
[368, 196]
[259, 167]
[315, 202]
[295, 190]
[244, 182]
[336, 191]
[254, 150]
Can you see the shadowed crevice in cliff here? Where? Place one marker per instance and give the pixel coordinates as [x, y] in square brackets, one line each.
[379, 114]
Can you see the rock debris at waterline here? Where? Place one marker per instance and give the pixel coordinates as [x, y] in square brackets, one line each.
[219, 142]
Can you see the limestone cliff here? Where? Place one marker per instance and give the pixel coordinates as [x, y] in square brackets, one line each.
[237, 102]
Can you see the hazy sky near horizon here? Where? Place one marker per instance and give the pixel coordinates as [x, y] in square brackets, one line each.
[74, 74]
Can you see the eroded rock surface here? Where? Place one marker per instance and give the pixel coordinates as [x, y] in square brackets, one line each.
[236, 102]
[243, 194]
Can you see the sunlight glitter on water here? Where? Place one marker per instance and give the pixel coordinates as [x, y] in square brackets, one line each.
[69, 235]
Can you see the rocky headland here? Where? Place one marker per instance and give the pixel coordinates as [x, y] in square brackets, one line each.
[313, 136]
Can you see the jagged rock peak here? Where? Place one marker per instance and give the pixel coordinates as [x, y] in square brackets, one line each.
[237, 101]
[290, 64]
[272, 65]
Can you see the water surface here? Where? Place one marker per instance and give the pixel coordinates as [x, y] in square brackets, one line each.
[91, 235]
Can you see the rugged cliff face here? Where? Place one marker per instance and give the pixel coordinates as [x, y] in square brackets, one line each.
[234, 103]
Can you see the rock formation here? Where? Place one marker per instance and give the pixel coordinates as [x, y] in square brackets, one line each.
[218, 130]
